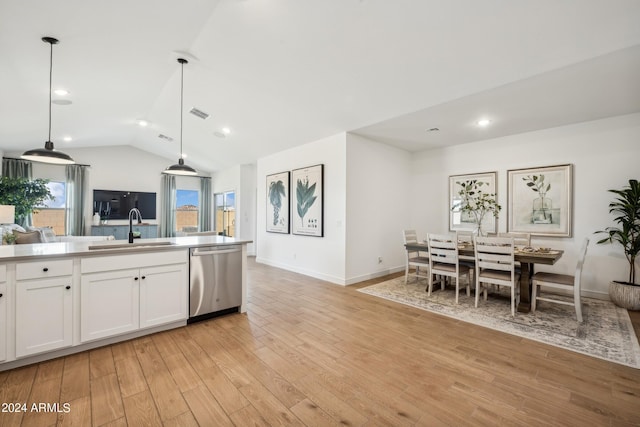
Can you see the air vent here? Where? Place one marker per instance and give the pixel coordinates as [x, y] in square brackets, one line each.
[165, 137]
[198, 113]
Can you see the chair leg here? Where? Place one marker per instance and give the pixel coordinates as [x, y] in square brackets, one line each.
[406, 274]
[477, 291]
[457, 288]
[534, 294]
[430, 284]
[578, 303]
[513, 300]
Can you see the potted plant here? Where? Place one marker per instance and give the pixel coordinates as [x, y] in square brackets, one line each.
[626, 207]
[476, 202]
[24, 194]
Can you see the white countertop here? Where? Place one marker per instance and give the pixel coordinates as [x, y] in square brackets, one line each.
[44, 250]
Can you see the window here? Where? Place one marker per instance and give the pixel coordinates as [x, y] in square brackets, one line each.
[52, 212]
[225, 208]
[187, 209]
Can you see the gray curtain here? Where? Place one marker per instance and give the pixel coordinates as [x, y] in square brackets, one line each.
[167, 210]
[74, 218]
[16, 168]
[205, 204]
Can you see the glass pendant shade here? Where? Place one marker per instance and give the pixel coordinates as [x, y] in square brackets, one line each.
[180, 168]
[48, 154]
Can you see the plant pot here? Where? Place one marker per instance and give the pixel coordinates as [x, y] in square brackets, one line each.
[625, 295]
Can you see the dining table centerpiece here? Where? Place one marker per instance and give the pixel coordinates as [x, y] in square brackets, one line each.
[626, 208]
[476, 203]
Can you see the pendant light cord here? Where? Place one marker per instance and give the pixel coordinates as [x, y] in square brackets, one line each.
[50, 85]
[181, 103]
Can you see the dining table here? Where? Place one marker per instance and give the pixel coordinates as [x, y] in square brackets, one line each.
[528, 257]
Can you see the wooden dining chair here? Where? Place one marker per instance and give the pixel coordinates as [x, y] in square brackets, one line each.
[444, 261]
[495, 265]
[414, 259]
[465, 237]
[519, 239]
[563, 282]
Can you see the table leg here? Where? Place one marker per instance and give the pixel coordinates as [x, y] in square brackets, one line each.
[526, 271]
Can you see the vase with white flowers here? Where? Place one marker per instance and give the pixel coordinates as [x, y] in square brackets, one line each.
[476, 203]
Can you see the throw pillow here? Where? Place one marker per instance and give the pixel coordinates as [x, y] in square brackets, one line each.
[27, 237]
[47, 235]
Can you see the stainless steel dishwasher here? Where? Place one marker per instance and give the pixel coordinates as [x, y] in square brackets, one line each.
[215, 281]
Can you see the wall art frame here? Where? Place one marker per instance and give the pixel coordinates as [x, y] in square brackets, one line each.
[540, 200]
[464, 221]
[308, 201]
[278, 203]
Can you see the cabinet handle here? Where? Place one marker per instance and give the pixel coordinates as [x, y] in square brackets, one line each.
[144, 277]
[0, 295]
[135, 278]
[67, 287]
[45, 269]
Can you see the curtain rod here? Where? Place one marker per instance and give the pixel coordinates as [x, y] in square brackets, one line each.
[14, 158]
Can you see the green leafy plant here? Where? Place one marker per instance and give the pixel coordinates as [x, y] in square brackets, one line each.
[626, 208]
[8, 238]
[276, 193]
[305, 196]
[475, 201]
[537, 184]
[24, 194]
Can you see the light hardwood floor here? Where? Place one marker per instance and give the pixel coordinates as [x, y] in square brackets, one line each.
[312, 353]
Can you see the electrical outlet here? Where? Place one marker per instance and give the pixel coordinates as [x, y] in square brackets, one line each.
[379, 260]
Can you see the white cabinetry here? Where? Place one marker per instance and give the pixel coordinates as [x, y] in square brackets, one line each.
[124, 293]
[43, 306]
[3, 312]
[109, 304]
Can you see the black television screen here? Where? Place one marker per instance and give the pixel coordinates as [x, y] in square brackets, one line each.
[113, 204]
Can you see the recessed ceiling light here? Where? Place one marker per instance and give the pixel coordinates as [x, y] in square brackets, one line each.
[67, 138]
[61, 92]
[226, 131]
[143, 123]
[433, 130]
[484, 122]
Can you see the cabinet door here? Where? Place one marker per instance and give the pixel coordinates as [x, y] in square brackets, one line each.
[96, 230]
[163, 294]
[43, 315]
[3, 321]
[109, 304]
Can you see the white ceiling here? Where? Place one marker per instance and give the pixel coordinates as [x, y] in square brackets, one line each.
[281, 73]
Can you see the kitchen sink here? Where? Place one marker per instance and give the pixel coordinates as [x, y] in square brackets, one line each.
[129, 245]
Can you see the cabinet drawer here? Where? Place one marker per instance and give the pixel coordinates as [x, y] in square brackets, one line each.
[43, 269]
[3, 273]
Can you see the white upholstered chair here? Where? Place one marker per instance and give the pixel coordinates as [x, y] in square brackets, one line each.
[495, 265]
[564, 282]
[414, 259]
[444, 261]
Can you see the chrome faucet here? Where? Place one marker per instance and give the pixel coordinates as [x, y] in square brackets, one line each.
[138, 217]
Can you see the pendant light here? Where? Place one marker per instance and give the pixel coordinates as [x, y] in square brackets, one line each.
[180, 168]
[48, 154]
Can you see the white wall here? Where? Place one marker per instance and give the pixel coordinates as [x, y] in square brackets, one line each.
[321, 257]
[605, 155]
[378, 201]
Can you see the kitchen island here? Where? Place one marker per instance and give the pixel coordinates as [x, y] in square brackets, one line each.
[61, 298]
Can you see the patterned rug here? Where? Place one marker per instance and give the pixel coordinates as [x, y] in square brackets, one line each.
[606, 333]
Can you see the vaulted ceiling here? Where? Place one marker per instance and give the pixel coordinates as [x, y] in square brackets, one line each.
[280, 73]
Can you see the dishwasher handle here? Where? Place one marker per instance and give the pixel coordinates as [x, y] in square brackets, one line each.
[215, 252]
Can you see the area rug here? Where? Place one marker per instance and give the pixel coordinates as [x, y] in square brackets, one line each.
[606, 332]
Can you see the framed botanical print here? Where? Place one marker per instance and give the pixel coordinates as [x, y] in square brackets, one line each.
[278, 202]
[484, 184]
[307, 207]
[540, 200]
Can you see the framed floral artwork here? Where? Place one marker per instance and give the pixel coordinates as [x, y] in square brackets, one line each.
[307, 206]
[540, 200]
[278, 202]
[461, 219]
